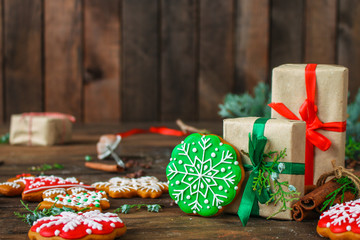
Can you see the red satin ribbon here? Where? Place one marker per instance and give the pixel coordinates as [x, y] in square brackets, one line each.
[159, 130]
[308, 113]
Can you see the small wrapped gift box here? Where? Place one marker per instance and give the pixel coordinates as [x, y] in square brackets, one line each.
[40, 129]
[279, 134]
[316, 94]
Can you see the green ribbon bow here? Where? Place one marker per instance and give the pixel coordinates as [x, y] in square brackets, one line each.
[251, 197]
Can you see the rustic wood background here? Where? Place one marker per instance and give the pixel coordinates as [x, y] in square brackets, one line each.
[158, 60]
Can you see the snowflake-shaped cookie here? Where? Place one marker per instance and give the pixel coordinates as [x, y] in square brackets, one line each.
[76, 198]
[145, 187]
[69, 225]
[204, 174]
[341, 221]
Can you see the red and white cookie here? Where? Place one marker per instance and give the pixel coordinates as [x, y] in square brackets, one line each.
[341, 221]
[145, 187]
[69, 225]
[76, 198]
[32, 187]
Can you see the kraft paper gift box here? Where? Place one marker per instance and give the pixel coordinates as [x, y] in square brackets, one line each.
[280, 134]
[327, 86]
[40, 129]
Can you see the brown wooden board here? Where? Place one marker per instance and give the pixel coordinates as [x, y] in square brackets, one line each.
[349, 41]
[320, 31]
[2, 96]
[23, 86]
[216, 76]
[286, 41]
[169, 223]
[140, 60]
[63, 56]
[252, 44]
[102, 60]
[178, 60]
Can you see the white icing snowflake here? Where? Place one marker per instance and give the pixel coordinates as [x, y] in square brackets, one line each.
[203, 173]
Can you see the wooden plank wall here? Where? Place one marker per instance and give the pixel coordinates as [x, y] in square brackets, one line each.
[159, 60]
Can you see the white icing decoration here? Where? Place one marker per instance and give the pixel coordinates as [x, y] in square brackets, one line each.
[88, 231]
[219, 207]
[177, 182]
[236, 187]
[188, 197]
[180, 162]
[216, 149]
[221, 188]
[221, 144]
[112, 225]
[35, 184]
[57, 232]
[194, 150]
[213, 155]
[348, 228]
[229, 168]
[236, 163]
[223, 169]
[147, 183]
[11, 184]
[206, 201]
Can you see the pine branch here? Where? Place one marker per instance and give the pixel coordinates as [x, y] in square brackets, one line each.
[244, 105]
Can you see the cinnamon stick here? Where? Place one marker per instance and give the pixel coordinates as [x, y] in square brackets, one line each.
[104, 167]
[315, 198]
[299, 213]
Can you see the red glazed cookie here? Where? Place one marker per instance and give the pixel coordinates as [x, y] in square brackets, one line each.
[84, 226]
[32, 187]
[76, 198]
[341, 221]
[145, 187]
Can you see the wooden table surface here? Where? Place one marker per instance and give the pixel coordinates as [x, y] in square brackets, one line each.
[170, 223]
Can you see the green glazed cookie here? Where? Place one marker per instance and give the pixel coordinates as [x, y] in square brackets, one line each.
[204, 174]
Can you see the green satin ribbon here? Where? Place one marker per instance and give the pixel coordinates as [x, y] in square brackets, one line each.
[249, 202]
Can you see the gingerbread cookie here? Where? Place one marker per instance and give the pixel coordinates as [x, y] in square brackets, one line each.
[341, 221]
[13, 186]
[76, 198]
[84, 226]
[145, 187]
[32, 187]
[205, 174]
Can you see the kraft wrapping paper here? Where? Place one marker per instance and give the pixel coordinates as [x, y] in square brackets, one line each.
[288, 87]
[39, 130]
[281, 134]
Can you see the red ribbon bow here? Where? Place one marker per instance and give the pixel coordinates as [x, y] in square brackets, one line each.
[159, 130]
[308, 113]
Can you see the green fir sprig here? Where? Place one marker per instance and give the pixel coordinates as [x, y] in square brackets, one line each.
[284, 193]
[46, 167]
[35, 214]
[4, 139]
[126, 208]
[244, 105]
[269, 173]
[352, 149]
[346, 185]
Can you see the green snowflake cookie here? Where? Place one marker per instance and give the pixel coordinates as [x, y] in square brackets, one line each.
[204, 174]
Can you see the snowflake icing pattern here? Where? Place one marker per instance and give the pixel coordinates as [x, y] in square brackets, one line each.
[203, 174]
